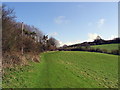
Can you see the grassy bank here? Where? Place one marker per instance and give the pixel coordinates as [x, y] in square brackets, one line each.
[108, 47]
[66, 69]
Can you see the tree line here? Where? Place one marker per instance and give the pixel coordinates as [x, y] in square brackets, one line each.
[86, 46]
[30, 39]
[97, 42]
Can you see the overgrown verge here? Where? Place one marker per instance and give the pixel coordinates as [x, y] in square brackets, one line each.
[14, 64]
[13, 59]
[13, 76]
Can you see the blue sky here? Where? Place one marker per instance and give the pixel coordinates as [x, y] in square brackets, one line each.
[70, 22]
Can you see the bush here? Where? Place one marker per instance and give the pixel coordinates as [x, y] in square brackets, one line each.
[115, 52]
[104, 51]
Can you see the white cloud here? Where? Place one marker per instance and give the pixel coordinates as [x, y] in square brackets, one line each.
[101, 22]
[73, 42]
[91, 36]
[112, 37]
[61, 43]
[98, 23]
[60, 20]
[70, 43]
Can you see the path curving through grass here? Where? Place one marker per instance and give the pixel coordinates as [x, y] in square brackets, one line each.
[67, 69]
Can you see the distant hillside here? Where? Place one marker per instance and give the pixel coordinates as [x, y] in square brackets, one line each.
[98, 45]
[97, 42]
[108, 47]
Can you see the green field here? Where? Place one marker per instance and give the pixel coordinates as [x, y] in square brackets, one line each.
[66, 69]
[108, 47]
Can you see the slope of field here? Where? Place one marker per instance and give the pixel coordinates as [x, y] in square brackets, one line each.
[67, 69]
[108, 47]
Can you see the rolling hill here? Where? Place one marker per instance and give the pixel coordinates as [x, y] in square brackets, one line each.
[66, 69]
[108, 47]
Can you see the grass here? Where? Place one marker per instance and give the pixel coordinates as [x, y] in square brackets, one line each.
[108, 47]
[66, 69]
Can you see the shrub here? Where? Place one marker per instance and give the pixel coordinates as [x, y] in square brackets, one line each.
[115, 52]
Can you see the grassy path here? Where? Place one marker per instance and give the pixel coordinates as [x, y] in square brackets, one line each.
[67, 70]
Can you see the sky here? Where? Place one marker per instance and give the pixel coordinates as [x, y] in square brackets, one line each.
[70, 22]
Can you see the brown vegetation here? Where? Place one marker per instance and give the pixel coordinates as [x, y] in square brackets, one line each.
[21, 47]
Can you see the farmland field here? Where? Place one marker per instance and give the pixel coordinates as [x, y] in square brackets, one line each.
[108, 47]
[67, 69]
